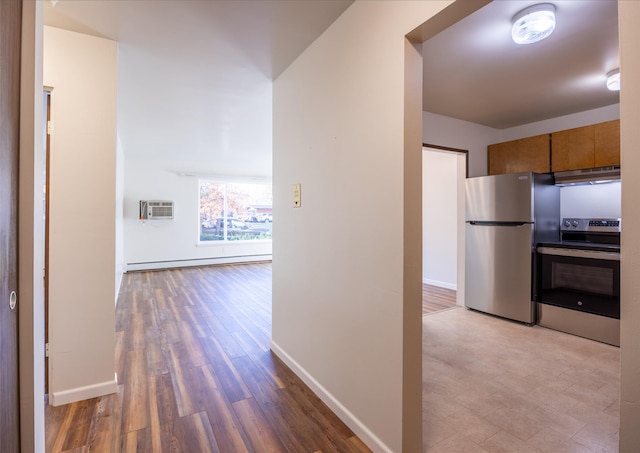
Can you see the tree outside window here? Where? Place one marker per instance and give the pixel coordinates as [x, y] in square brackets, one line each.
[235, 212]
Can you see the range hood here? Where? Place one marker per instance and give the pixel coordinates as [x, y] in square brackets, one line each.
[587, 176]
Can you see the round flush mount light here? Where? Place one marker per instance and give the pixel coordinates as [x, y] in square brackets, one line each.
[613, 80]
[534, 23]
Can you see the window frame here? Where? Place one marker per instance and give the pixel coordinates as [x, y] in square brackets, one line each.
[225, 183]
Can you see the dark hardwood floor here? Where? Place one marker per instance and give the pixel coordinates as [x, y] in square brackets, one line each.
[196, 374]
[435, 299]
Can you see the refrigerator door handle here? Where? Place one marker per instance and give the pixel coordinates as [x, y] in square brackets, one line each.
[494, 223]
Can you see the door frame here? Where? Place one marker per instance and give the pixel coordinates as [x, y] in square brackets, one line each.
[47, 126]
[31, 237]
[462, 174]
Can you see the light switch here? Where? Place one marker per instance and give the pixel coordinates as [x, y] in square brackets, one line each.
[297, 198]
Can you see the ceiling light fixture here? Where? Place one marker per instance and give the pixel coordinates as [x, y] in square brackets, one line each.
[534, 23]
[613, 80]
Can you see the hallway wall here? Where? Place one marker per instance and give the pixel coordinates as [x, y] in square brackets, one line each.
[81, 69]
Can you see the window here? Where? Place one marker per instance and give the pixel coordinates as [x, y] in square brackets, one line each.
[235, 212]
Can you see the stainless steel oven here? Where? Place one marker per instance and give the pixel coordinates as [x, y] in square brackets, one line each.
[578, 280]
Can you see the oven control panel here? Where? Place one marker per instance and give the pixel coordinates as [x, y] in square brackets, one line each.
[595, 225]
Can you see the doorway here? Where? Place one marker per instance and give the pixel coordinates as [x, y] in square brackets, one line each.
[443, 174]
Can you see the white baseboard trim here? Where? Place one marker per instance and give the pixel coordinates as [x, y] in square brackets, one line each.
[439, 284]
[84, 393]
[172, 264]
[364, 433]
[119, 275]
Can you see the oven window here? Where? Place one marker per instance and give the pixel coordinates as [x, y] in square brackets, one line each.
[584, 284]
[589, 279]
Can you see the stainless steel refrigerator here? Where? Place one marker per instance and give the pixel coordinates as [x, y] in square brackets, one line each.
[506, 216]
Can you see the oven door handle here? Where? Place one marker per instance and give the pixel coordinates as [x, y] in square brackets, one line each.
[576, 253]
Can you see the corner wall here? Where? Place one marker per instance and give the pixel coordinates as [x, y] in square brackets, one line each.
[82, 249]
[629, 16]
[346, 291]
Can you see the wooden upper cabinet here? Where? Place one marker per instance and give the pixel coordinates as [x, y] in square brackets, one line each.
[534, 154]
[607, 144]
[573, 149]
[596, 145]
[501, 157]
[516, 156]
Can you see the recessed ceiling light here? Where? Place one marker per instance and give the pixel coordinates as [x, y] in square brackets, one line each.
[534, 23]
[613, 80]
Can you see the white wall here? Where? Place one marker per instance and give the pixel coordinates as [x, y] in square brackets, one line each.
[156, 244]
[82, 71]
[629, 16]
[440, 217]
[600, 115]
[346, 317]
[453, 133]
[589, 201]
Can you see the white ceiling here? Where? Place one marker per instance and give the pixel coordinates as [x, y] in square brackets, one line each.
[475, 72]
[195, 76]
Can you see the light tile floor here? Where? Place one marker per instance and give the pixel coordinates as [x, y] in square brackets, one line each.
[492, 385]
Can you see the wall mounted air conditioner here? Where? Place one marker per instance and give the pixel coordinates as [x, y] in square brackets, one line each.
[156, 209]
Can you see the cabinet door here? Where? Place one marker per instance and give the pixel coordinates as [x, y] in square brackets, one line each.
[573, 149]
[534, 154]
[501, 158]
[607, 143]
[525, 154]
